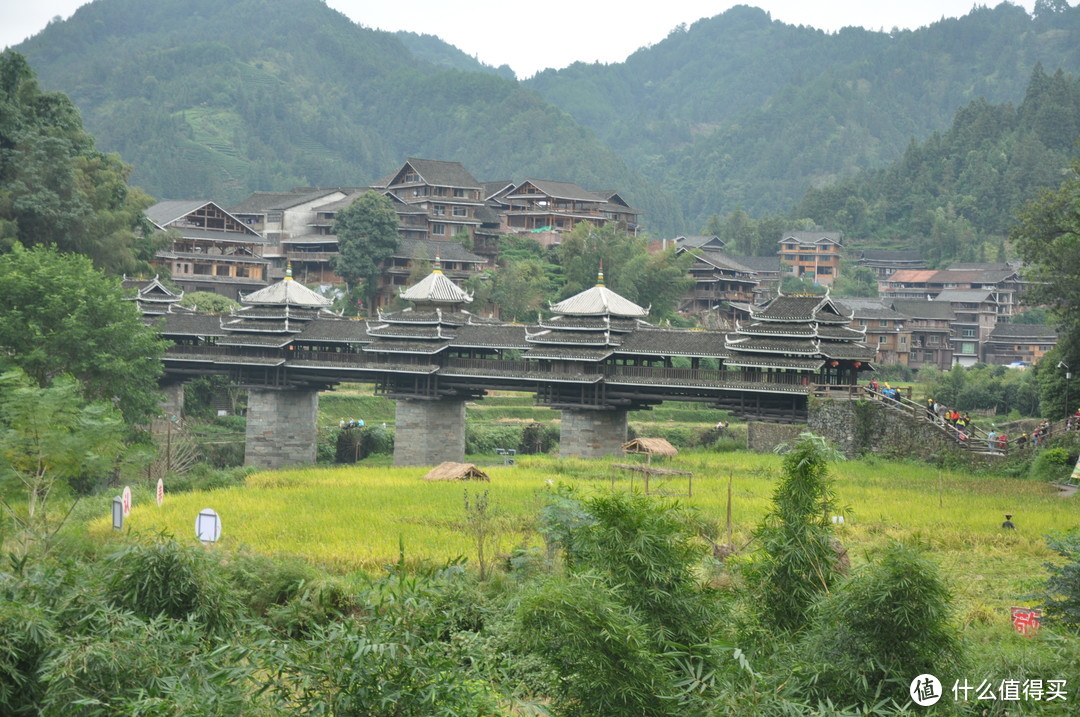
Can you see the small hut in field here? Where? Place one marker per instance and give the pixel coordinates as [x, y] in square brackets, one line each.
[451, 471]
[650, 447]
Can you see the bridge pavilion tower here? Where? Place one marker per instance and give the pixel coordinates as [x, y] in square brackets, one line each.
[430, 418]
[282, 413]
[578, 342]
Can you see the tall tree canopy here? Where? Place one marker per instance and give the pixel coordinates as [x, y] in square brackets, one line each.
[1047, 238]
[59, 315]
[367, 232]
[55, 188]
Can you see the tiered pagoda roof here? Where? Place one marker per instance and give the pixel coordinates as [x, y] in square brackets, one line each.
[273, 316]
[427, 327]
[153, 298]
[588, 326]
[797, 332]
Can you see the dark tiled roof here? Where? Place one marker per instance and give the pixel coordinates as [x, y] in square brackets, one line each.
[397, 346]
[1029, 332]
[261, 202]
[751, 361]
[261, 340]
[848, 350]
[673, 342]
[567, 353]
[966, 296]
[510, 336]
[191, 325]
[577, 338]
[921, 309]
[561, 190]
[442, 174]
[761, 264]
[776, 328]
[335, 331]
[407, 331]
[870, 309]
[427, 249]
[789, 308]
[744, 344]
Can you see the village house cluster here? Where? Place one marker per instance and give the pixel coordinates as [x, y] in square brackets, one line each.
[922, 317]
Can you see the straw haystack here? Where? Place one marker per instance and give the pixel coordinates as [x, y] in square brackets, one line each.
[449, 470]
[650, 446]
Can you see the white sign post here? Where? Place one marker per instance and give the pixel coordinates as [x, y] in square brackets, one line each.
[208, 526]
[117, 513]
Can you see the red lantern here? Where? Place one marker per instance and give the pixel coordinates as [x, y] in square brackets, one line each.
[834, 364]
[858, 364]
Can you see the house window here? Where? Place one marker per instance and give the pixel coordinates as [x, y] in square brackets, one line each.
[824, 270]
[459, 192]
[882, 339]
[438, 210]
[967, 333]
[438, 229]
[935, 340]
[884, 323]
[967, 348]
[862, 322]
[411, 177]
[461, 211]
[903, 339]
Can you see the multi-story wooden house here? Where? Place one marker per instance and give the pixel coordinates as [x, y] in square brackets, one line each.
[719, 279]
[813, 256]
[884, 263]
[930, 323]
[211, 249]
[547, 209]
[1019, 343]
[976, 312]
[448, 195]
[886, 330]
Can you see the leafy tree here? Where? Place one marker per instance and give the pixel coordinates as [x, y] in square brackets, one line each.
[58, 315]
[520, 290]
[1060, 593]
[49, 436]
[55, 188]
[797, 562]
[630, 611]
[208, 302]
[367, 232]
[880, 627]
[1047, 239]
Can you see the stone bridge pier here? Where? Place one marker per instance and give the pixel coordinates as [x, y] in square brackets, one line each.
[281, 427]
[592, 433]
[428, 432]
[172, 400]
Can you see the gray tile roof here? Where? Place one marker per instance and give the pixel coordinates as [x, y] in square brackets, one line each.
[436, 288]
[1029, 332]
[508, 336]
[870, 309]
[673, 342]
[285, 292]
[188, 325]
[967, 296]
[568, 353]
[440, 173]
[599, 301]
[561, 190]
[923, 309]
[331, 330]
[429, 248]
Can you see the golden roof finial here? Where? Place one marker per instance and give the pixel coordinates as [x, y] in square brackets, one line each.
[288, 272]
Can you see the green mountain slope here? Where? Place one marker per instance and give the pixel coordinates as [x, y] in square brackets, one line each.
[218, 98]
[740, 110]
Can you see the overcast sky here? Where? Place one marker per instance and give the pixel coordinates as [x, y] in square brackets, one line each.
[533, 36]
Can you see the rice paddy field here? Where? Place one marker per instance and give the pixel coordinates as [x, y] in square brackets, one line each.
[347, 519]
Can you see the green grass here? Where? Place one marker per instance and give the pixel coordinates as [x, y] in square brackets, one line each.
[351, 518]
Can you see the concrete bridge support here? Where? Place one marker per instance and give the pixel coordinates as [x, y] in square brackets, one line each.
[172, 400]
[427, 433]
[592, 434]
[281, 427]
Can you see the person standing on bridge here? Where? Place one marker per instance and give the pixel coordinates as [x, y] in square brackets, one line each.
[991, 440]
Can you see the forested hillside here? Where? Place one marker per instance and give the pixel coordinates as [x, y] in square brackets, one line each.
[218, 98]
[955, 195]
[742, 111]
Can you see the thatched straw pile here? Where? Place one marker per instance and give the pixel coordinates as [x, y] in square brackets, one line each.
[449, 470]
[650, 446]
